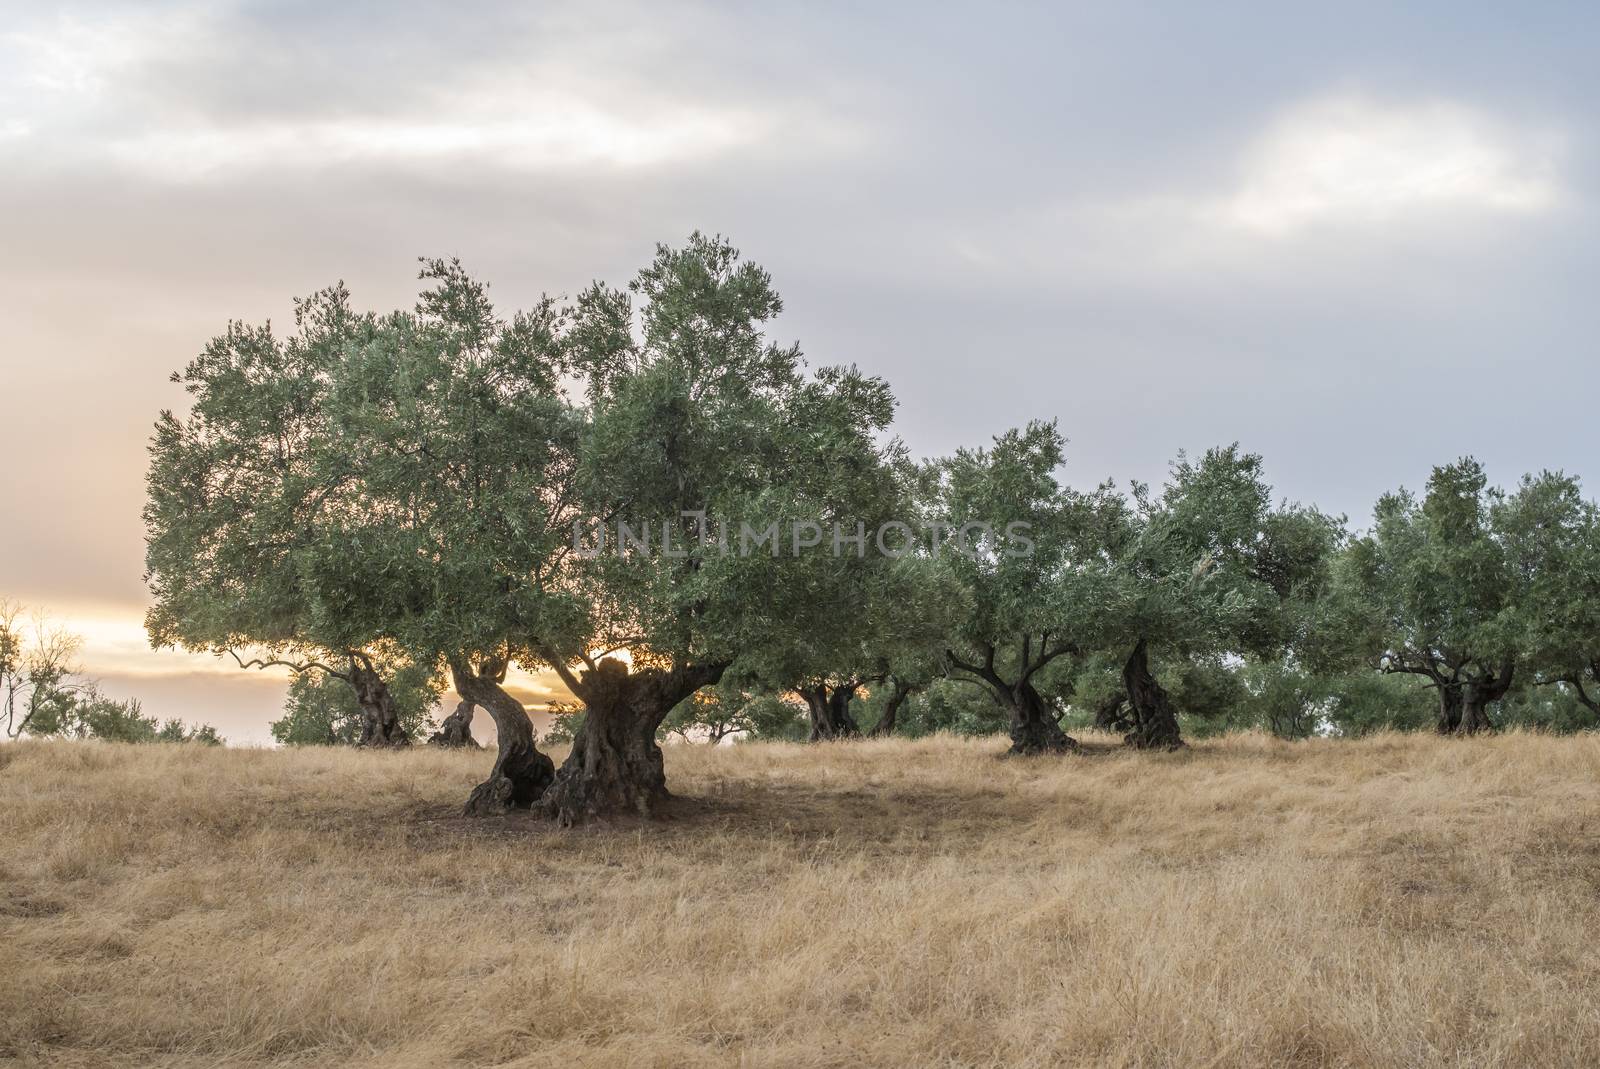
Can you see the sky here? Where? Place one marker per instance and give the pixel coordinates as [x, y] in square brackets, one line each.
[1358, 239]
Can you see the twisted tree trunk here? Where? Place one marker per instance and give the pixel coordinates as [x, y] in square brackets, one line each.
[1575, 681]
[521, 774]
[829, 709]
[1111, 715]
[615, 766]
[1449, 708]
[380, 722]
[1033, 725]
[898, 694]
[1474, 717]
[1155, 723]
[456, 730]
[1477, 693]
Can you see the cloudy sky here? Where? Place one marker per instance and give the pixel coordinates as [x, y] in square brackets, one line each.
[1358, 240]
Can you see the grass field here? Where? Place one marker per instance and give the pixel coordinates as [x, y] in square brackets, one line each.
[1392, 901]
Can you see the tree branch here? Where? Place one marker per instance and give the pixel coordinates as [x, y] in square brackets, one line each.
[1047, 657]
[299, 668]
[563, 669]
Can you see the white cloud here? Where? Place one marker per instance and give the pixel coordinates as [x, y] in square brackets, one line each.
[73, 57]
[547, 134]
[1350, 159]
[103, 91]
[1325, 185]
[62, 75]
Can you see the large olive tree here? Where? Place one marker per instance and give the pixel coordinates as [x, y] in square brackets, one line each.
[738, 464]
[397, 482]
[431, 481]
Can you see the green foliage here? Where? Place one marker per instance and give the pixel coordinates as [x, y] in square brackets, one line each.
[728, 711]
[98, 717]
[1282, 698]
[1211, 567]
[1433, 588]
[321, 710]
[1556, 709]
[774, 718]
[1206, 688]
[953, 706]
[1473, 587]
[176, 731]
[1552, 540]
[407, 487]
[702, 413]
[88, 714]
[367, 483]
[1364, 702]
[412, 482]
[566, 720]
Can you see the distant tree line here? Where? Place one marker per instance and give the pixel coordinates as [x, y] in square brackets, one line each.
[45, 694]
[390, 504]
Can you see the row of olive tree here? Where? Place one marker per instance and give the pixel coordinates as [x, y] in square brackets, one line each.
[425, 492]
[1484, 596]
[1277, 618]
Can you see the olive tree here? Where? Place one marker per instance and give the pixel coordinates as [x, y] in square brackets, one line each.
[728, 711]
[1208, 568]
[1551, 538]
[1435, 593]
[890, 625]
[398, 482]
[718, 443]
[854, 481]
[886, 646]
[249, 487]
[1026, 556]
[327, 708]
[431, 482]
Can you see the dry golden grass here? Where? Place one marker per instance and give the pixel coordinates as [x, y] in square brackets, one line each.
[1394, 901]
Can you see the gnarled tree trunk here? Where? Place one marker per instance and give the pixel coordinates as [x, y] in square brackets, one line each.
[829, 708]
[615, 765]
[1575, 681]
[456, 730]
[1034, 728]
[1474, 717]
[1155, 723]
[1034, 725]
[898, 693]
[1477, 693]
[521, 774]
[380, 722]
[1111, 714]
[1449, 708]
